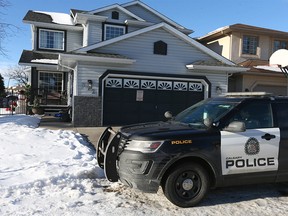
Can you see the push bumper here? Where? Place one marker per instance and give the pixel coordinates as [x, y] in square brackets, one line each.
[134, 169]
[107, 151]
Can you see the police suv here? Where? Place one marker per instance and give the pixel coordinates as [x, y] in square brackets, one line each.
[240, 138]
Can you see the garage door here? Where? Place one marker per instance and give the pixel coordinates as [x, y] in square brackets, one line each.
[134, 100]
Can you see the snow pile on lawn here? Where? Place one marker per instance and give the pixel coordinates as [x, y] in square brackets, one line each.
[54, 172]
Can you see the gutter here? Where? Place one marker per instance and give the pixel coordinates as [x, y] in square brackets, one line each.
[216, 68]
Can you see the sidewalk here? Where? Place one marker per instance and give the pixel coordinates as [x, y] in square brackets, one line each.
[91, 133]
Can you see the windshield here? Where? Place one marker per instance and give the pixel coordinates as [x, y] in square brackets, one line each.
[208, 110]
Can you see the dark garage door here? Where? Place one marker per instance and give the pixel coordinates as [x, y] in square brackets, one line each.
[129, 101]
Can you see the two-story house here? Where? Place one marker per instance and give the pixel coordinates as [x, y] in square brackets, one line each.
[250, 46]
[120, 64]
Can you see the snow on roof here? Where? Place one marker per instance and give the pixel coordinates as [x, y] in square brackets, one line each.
[59, 18]
[45, 61]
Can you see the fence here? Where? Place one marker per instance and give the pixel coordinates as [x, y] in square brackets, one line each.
[11, 105]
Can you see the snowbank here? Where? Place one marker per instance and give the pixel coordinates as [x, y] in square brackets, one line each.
[54, 172]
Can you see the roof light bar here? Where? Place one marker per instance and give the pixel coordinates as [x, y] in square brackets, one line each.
[247, 94]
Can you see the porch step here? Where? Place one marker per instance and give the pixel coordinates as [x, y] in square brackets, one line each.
[51, 110]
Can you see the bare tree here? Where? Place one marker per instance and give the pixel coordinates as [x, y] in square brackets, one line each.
[6, 29]
[18, 73]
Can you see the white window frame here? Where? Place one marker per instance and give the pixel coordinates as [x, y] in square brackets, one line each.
[54, 31]
[114, 26]
[50, 72]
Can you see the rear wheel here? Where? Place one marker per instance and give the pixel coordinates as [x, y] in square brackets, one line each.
[187, 185]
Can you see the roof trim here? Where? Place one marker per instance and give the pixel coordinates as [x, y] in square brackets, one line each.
[168, 28]
[116, 6]
[54, 26]
[166, 19]
[78, 57]
[243, 28]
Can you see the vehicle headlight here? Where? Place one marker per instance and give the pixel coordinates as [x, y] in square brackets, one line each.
[143, 146]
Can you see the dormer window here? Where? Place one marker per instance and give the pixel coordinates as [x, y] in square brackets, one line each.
[112, 31]
[51, 39]
[115, 15]
[160, 48]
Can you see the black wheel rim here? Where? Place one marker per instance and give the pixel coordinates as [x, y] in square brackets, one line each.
[188, 185]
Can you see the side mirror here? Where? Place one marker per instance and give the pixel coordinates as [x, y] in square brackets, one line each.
[236, 126]
[208, 122]
[168, 115]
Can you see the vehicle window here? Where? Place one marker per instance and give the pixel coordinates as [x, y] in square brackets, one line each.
[255, 115]
[212, 109]
[282, 110]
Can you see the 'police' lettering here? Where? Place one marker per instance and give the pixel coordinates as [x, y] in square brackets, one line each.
[179, 142]
[256, 162]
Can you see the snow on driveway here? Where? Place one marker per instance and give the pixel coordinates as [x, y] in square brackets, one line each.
[54, 172]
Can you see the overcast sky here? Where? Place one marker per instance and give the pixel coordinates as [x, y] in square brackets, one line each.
[201, 16]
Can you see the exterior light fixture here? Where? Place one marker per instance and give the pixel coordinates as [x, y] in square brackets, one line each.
[89, 84]
[219, 90]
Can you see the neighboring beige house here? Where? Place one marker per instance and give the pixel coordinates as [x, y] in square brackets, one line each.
[250, 46]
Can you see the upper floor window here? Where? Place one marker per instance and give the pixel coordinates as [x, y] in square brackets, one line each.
[51, 39]
[112, 31]
[250, 44]
[115, 15]
[278, 44]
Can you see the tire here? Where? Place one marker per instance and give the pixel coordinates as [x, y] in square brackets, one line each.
[186, 185]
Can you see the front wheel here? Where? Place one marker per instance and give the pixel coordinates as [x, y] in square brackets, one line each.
[187, 185]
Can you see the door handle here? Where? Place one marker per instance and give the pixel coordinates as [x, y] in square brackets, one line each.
[268, 136]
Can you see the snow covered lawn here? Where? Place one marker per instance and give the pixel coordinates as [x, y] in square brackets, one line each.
[54, 172]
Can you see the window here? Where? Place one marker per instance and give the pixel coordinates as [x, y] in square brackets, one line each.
[250, 44]
[51, 39]
[160, 48]
[51, 82]
[115, 15]
[112, 31]
[278, 44]
[255, 115]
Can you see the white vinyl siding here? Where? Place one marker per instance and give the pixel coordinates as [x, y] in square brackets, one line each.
[74, 40]
[140, 48]
[144, 14]
[94, 33]
[122, 16]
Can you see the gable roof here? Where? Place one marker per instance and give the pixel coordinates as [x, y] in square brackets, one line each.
[221, 32]
[161, 16]
[166, 27]
[118, 7]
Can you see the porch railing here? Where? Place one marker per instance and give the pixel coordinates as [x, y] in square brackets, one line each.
[46, 97]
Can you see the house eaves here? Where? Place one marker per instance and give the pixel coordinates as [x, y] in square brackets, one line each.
[220, 32]
[38, 59]
[70, 59]
[216, 66]
[166, 27]
[163, 17]
[116, 7]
